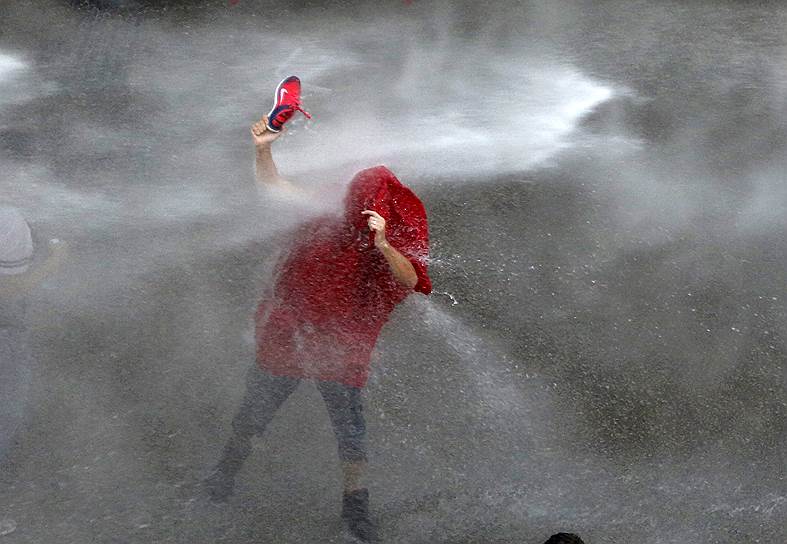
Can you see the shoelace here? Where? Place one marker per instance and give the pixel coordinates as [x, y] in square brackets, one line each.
[303, 111]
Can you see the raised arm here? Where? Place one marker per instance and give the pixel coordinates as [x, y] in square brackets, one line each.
[265, 171]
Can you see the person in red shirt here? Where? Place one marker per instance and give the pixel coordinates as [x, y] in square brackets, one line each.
[335, 289]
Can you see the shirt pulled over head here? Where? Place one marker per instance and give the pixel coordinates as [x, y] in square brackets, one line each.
[335, 290]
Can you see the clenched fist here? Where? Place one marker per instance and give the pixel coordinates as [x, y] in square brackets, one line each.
[261, 135]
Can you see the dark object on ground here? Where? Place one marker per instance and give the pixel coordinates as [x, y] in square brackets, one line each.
[564, 538]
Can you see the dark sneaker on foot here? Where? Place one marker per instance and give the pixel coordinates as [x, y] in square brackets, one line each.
[219, 485]
[355, 513]
[286, 102]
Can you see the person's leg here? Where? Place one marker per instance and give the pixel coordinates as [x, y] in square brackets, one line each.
[346, 411]
[353, 473]
[265, 393]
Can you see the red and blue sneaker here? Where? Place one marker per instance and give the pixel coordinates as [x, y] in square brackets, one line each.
[285, 103]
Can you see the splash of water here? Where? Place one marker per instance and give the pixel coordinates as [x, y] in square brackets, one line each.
[486, 367]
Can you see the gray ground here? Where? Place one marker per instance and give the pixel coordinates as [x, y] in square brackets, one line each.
[606, 188]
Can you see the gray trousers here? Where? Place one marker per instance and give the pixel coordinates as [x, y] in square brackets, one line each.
[265, 393]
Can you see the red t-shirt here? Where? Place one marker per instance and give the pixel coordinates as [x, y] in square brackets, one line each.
[335, 290]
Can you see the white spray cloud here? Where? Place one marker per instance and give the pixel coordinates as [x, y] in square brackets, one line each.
[9, 64]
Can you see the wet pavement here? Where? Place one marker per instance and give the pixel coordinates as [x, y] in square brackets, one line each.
[605, 349]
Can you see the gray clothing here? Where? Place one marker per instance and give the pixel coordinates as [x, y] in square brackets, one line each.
[16, 254]
[16, 242]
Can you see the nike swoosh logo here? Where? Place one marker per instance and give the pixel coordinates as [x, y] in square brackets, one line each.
[282, 92]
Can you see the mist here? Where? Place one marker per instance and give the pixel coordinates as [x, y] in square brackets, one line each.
[604, 350]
